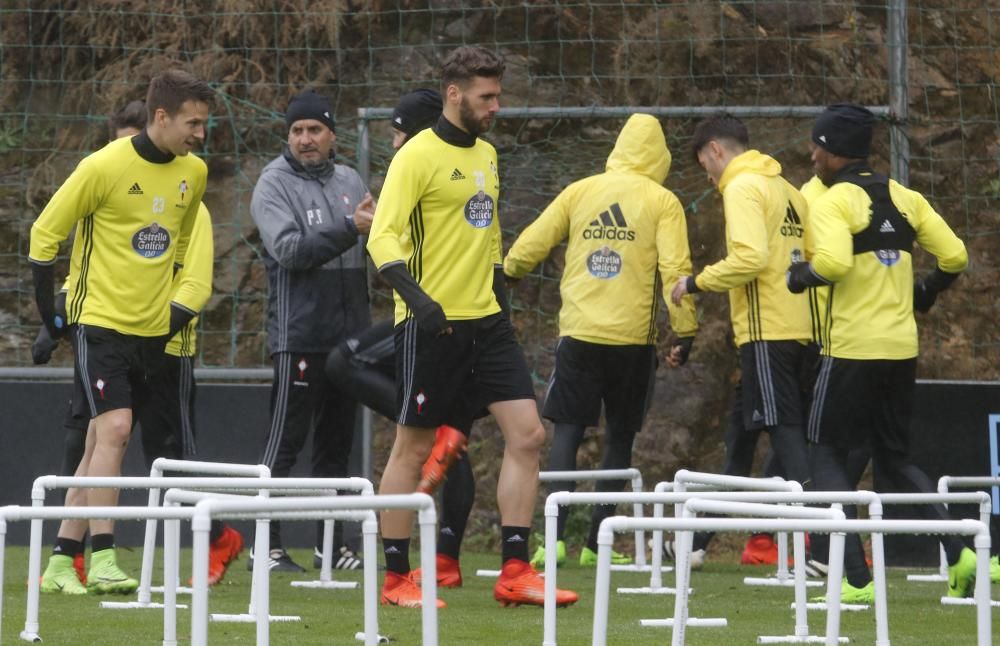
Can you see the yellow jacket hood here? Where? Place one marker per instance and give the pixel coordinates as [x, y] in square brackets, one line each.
[641, 148]
[751, 161]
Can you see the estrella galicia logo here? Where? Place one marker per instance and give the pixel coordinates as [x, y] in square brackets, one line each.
[152, 241]
[887, 257]
[604, 263]
[479, 210]
[609, 225]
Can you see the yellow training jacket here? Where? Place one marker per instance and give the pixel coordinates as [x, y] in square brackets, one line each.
[438, 214]
[811, 190]
[766, 225]
[196, 275]
[135, 209]
[627, 239]
[870, 307]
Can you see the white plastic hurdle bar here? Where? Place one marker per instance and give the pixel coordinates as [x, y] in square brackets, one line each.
[685, 480]
[260, 599]
[254, 485]
[194, 467]
[634, 476]
[426, 519]
[836, 528]
[726, 507]
[945, 484]
[659, 499]
[39, 514]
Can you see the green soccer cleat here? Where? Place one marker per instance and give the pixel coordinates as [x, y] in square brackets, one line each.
[105, 577]
[962, 575]
[60, 577]
[995, 569]
[538, 560]
[850, 594]
[588, 557]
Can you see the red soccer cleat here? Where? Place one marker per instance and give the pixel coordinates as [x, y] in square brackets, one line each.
[223, 551]
[401, 590]
[81, 568]
[520, 583]
[449, 574]
[449, 444]
[760, 550]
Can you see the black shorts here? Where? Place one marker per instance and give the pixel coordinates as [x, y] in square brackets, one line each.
[448, 378]
[110, 369]
[167, 418]
[856, 401]
[769, 392]
[589, 374]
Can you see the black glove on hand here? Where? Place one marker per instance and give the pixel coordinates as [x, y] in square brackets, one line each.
[684, 343]
[430, 318]
[41, 349]
[500, 291]
[42, 276]
[800, 275]
[926, 289]
[179, 317]
[923, 296]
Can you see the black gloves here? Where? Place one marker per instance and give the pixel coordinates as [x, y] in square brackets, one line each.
[500, 290]
[430, 317]
[53, 320]
[801, 275]
[926, 289]
[684, 345]
[179, 317]
[42, 348]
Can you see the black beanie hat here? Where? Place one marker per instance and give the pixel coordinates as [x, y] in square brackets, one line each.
[308, 104]
[845, 130]
[417, 110]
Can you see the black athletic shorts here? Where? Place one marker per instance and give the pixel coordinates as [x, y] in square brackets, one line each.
[589, 374]
[770, 388]
[858, 400]
[448, 378]
[167, 418]
[110, 369]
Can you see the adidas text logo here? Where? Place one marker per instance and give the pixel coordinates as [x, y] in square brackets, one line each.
[886, 227]
[792, 225]
[456, 175]
[609, 225]
[135, 189]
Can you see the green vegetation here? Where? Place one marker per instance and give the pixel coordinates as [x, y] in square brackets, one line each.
[333, 616]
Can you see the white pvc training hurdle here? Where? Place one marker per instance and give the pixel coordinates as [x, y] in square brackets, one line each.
[836, 528]
[308, 508]
[594, 475]
[260, 589]
[945, 484]
[203, 483]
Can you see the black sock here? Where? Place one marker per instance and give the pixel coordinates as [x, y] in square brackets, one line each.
[215, 533]
[67, 547]
[100, 542]
[397, 554]
[515, 542]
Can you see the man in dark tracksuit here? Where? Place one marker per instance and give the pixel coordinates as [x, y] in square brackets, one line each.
[312, 214]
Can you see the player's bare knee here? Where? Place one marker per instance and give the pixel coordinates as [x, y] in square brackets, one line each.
[528, 440]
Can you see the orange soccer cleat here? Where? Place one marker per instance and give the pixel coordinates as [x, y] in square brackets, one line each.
[760, 550]
[401, 590]
[449, 444]
[449, 574]
[520, 583]
[223, 551]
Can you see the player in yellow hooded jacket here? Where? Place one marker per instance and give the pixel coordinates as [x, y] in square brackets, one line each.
[766, 227]
[864, 227]
[626, 238]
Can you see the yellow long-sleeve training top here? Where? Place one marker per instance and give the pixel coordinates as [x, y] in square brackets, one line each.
[626, 240]
[766, 226]
[864, 227]
[136, 207]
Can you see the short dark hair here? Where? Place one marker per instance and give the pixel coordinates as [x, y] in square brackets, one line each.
[133, 115]
[467, 62]
[172, 88]
[720, 127]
